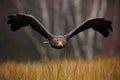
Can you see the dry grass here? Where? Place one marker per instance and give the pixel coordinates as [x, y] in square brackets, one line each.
[105, 68]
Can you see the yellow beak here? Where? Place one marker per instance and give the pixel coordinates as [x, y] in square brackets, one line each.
[60, 44]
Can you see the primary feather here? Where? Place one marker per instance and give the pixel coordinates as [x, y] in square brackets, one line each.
[99, 24]
[21, 20]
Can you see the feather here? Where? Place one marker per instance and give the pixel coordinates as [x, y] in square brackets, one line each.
[99, 24]
[21, 20]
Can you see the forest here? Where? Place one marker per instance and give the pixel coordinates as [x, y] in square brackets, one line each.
[25, 55]
[59, 17]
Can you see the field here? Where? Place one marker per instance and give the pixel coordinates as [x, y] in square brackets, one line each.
[100, 68]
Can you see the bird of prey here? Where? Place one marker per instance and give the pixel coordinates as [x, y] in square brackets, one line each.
[20, 20]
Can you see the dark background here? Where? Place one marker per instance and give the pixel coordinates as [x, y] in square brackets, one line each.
[59, 17]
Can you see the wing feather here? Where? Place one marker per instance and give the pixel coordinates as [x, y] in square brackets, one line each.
[99, 24]
[20, 20]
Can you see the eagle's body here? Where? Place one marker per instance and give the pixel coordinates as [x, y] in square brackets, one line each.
[21, 20]
[58, 42]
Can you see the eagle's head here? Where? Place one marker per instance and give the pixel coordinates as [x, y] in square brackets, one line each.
[58, 42]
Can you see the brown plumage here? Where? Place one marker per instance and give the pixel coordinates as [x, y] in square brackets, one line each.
[21, 20]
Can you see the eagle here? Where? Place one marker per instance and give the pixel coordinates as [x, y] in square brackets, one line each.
[20, 20]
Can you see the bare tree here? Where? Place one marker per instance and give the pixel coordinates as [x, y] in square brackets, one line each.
[29, 33]
[91, 34]
[67, 14]
[102, 11]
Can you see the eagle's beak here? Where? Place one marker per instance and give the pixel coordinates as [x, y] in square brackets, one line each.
[60, 44]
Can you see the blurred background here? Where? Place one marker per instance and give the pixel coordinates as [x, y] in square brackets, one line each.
[59, 17]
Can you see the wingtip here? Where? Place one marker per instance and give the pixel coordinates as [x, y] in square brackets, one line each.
[8, 22]
[11, 16]
[110, 27]
[13, 28]
[106, 35]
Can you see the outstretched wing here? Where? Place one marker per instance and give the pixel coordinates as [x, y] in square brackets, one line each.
[99, 24]
[20, 20]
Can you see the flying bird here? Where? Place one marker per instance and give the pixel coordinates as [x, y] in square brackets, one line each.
[20, 20]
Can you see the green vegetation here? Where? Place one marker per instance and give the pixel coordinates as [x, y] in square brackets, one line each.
[101, 68]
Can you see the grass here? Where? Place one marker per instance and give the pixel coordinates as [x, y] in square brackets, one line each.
[101, 68]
